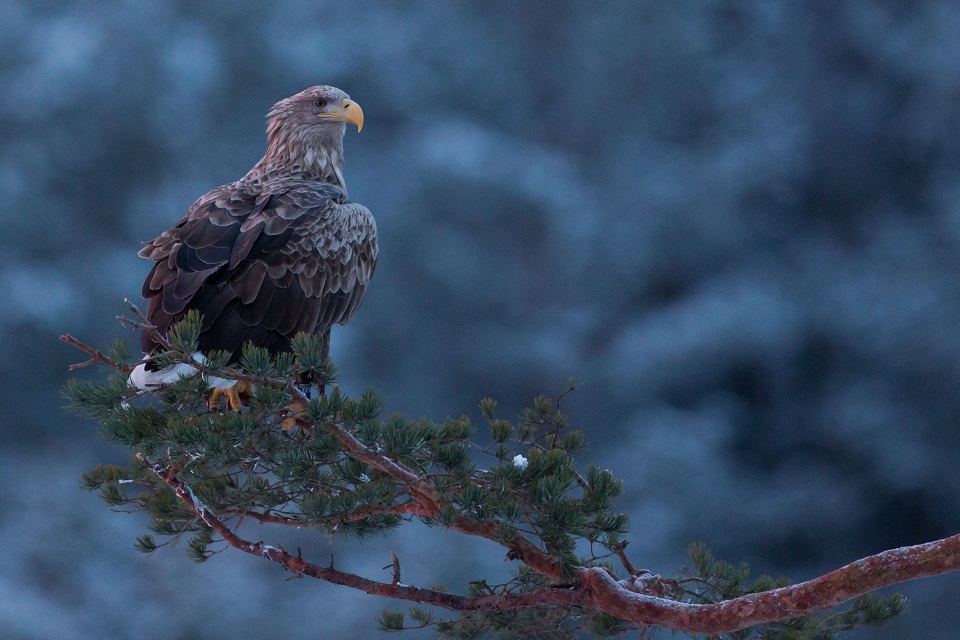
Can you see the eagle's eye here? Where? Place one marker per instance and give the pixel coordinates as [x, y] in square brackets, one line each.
[319, 103]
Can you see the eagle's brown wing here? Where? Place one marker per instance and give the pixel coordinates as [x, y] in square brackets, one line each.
[262, 264]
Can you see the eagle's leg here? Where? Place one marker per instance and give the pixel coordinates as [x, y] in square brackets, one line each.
[233, 394]
[290, 419]
[214, 398]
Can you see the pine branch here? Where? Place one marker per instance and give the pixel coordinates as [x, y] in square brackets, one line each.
[406, 508]
[142, 323]
[846, 583]
[396, 590]
[519, 547]
[594, 588]
[225, 373]
[395, 563]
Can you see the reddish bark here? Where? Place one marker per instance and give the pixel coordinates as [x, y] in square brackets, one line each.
[857, 578]
[595, 589]
[297, 564]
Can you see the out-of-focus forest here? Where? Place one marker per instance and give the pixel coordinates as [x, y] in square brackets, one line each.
[737, 223]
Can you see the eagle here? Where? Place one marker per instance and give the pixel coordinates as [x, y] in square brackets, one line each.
[280, 251]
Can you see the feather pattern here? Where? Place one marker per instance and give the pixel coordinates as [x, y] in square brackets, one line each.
[280, 251]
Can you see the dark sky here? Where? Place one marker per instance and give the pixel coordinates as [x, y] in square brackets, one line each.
[737, 223]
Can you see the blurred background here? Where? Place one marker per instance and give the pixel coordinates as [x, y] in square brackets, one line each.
[737, 223]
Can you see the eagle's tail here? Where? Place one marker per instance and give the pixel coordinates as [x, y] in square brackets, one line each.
[147, 378]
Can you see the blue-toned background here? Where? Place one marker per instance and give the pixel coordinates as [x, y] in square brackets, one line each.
[738, 223]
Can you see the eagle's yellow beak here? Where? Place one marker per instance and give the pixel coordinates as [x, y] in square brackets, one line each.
[349, 111]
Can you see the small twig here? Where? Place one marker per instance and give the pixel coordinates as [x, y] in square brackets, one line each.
[571, 387]
[136, 325]
[136, 311]
[96, 355]
[624, 560]
[581, 482]
[395, 563]
[145, 324]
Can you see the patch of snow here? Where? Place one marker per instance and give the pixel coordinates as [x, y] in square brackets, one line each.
[197, 502]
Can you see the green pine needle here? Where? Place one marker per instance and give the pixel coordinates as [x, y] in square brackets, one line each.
[185, 335]
[145, 544]
[390, 621]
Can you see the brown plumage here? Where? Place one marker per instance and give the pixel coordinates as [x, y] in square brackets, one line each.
[280, 251]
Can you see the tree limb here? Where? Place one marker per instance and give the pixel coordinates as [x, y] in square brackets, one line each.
[296, 564]
[422, 490]
[225, 373]
[596, 589]
[405, 508]
[855, 579]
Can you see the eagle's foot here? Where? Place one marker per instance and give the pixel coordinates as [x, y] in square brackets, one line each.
[214, 399]
[234, 396]
[291, 416]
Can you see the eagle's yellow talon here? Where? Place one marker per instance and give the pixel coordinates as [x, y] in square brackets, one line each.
[290, 421]
[233, 395]
[214, 399]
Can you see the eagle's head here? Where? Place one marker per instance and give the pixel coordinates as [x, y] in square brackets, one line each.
[321, 108]
[306, 130]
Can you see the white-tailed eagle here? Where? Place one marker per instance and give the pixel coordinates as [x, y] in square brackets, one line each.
[280, 251]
